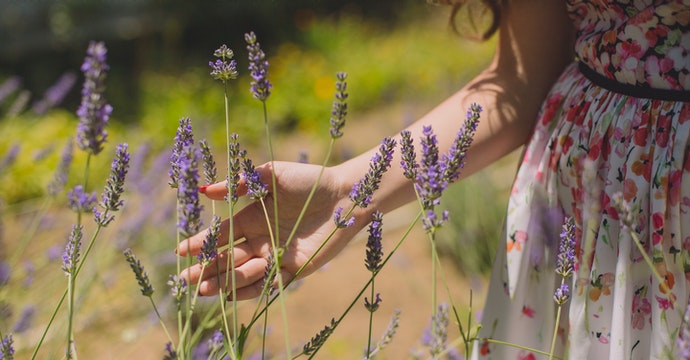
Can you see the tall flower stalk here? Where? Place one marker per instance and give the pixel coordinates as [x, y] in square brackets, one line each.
[224, 69]
[565, 263]
[432, 175]
[374, 255]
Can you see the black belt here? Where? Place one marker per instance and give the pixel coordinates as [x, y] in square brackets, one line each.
[632, 90]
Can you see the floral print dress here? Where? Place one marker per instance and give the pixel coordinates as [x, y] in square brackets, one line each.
[616, 122]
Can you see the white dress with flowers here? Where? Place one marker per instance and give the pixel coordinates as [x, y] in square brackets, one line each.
[617, 121]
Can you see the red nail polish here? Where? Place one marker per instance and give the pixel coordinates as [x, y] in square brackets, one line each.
[202, 189]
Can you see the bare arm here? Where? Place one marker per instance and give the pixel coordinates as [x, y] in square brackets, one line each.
[535, 44]
[534, 47]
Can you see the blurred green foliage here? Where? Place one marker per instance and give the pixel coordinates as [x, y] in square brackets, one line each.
[419, 60]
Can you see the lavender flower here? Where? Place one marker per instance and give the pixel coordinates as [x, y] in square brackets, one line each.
[388, 334]
[340, 222]
[25, 319]
[256, 189]
[208, 163]
[110, 200]
[9, 86]
[319, 339]
[566, 252]
[455, 158]
[430, 183]
[170, 354]
[431, 223]
[56, 93]
[62, 171]
[339, 111]
[139, 273]
[270, 273]
[9, 158]
[178, 287]
[363, 190]
[258, 68]
[562, 294]
[184, 137]
[234, 155]
[409, 157]
[374, 305]
[224, 68]
[80, 201]
[215, 343]
[683, 339]
[71, 255]
[209, 247]
[19, 104]
[7, 347]
[439, 334]
[188, 209]
[374, 248]
[94, 112]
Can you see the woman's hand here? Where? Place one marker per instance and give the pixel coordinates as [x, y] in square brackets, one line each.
[294, 182]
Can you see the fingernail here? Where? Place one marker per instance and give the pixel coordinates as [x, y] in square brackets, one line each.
[202, 189]
[175, 250]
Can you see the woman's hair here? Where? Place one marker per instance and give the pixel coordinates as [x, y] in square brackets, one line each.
[475, 12]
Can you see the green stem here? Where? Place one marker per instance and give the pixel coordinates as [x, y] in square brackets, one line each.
[383, 263]
[555, 328]
[70, 314]
[371, 318]
[160, 319]
[230, 263]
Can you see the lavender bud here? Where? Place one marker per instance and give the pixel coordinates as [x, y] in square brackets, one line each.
[170, 354]
[208, 163]
[429, 183]
[80, 201]
[234, 155]
[372, 306]
[8, 87]
[409, 157]
[7, 347]
[56, 93]
[9, 158]
[215, 343]
[339, 221]
[270, 273]
[224, 68]
[25, 319]
[188, 209]
[184, 137]
[62, 171]
[339, 111]
[439, 334]
[178, 287]
[562, 294]
[388, 334]
[566, 252]
[374, 248]
[258, 68]
[256, 189]
[114, 187]
[625, 211]
[71, 255]
[431, 223]
[139, 273]
[209, 247]
[94, 112]
[319, 339]
[455, 158]
[363, 190]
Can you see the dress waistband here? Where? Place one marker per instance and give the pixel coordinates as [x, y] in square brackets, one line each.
[632, 90]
